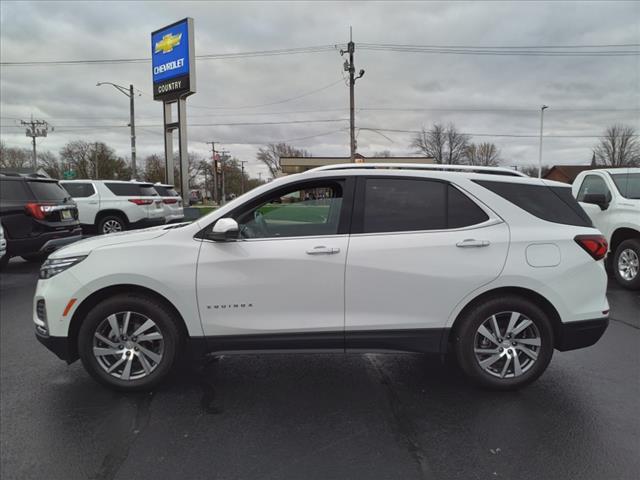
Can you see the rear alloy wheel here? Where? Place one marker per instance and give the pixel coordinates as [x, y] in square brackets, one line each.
[505, 343]
[129, 342]
[626, 264]
[111, 224]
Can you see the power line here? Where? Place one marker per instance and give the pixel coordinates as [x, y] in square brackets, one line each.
[500, 51]
[505, 135]
[289, 122]
[277, 102]
[210, 56]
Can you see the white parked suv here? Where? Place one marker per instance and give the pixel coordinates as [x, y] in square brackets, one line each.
[3, 243]
[611, 198]
[173, 210]
[112, 206]
[497, 269]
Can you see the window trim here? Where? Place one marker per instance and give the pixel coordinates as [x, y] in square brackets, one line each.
[344, 223]
[357, 224]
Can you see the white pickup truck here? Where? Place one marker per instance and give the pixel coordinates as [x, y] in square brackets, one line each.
[611, 197]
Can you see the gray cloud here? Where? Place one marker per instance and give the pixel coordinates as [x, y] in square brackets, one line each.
[68, 98]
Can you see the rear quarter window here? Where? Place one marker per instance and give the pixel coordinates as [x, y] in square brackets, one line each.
[553, 204]
[166, 191]
[131, 190]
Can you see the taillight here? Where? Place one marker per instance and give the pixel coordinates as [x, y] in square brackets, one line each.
[594, 245]
[170, 200]
[141, 201]
[37, 210]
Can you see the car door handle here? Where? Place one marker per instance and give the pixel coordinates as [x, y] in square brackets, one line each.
[322, 250]
[473, 243]
[93, 203]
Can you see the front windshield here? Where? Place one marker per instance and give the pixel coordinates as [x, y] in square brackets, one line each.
[628, 184]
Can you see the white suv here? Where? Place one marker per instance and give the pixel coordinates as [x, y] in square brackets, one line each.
[112, 206]
[498, 269]
[611, 197]
[173, 210]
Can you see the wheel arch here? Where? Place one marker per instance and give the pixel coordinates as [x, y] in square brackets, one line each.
[525, 293]
[83, 309]
[112, 211]
[620, 235]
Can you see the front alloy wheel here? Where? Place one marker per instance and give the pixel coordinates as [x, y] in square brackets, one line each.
[128, 345]
[130, 342]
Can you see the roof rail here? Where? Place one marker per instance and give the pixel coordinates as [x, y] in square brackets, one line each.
[422, 166]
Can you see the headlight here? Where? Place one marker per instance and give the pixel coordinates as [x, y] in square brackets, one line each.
[53, 266]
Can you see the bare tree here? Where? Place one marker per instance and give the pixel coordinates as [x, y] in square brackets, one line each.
[11, 157]
[443, 144]
[271, 154]
[382, 154]
[486, 154]
[94, 160]
[50, 163]
[618, 147]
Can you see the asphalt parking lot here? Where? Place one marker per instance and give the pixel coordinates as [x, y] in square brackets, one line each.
[318, 416]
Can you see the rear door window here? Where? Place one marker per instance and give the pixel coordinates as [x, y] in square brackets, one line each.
[553, 204]
[462, 211]
[48, 191]
[79, 190]
[404, 205]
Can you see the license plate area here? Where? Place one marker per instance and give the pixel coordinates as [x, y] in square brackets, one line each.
[66, 214]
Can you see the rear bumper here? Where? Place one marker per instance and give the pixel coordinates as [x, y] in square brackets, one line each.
[582, 334]
[44, 243]
[56, 243]
[148, 222]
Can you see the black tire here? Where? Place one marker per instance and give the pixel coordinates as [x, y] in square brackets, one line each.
[166, 324]
[35, 257]
[630, 247]
[4, 261]
[465, 341]
[111, 220]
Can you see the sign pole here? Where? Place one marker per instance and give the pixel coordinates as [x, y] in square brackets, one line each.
[184, 155]
[174, 79]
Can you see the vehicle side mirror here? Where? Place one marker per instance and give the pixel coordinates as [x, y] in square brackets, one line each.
[224, 230]
[599, 199]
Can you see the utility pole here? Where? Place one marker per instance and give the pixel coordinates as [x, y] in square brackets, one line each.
[35, 129]
[223, 159]
[542, 109]
[242, 162]
[215, 171]
[132, 122]
[350, 67]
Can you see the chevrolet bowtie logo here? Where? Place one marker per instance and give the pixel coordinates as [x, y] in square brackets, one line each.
[168, 43]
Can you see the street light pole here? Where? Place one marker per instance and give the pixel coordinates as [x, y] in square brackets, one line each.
[132, 123]
[542, 109]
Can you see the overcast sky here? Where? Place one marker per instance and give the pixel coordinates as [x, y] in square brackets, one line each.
[484, 94]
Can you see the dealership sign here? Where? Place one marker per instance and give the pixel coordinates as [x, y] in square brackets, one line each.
[173, 61]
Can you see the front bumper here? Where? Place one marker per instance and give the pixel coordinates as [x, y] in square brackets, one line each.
[574, 335]
[58, 345]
